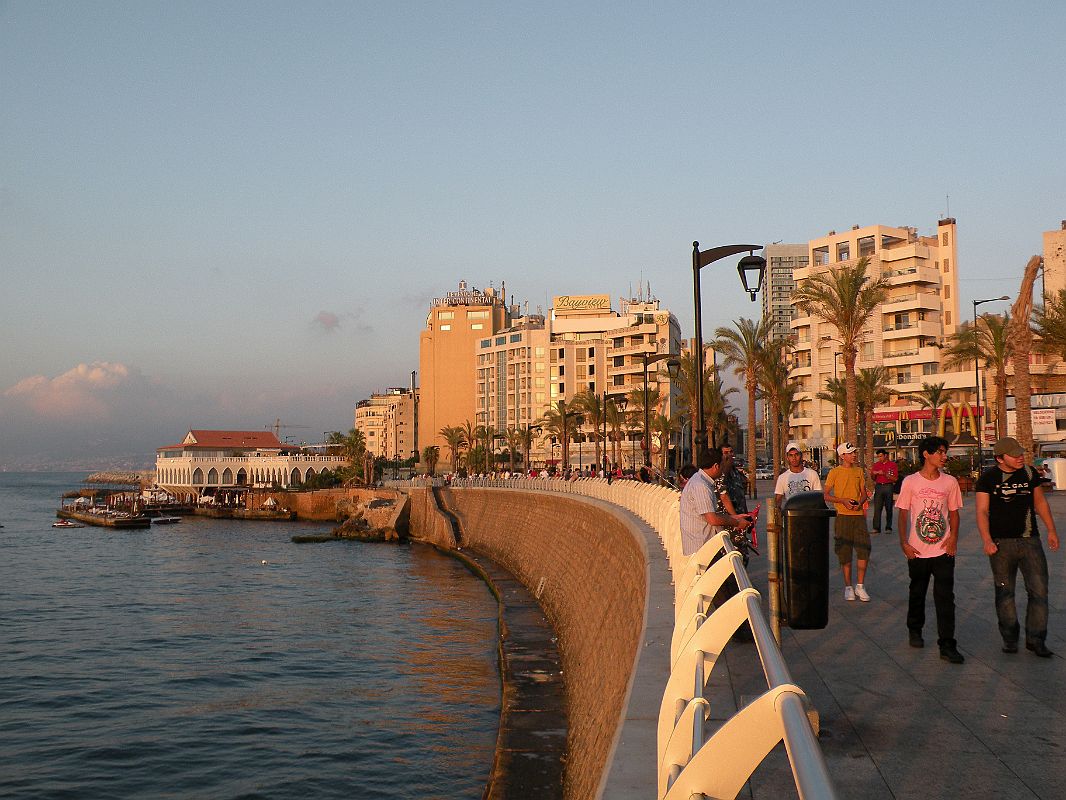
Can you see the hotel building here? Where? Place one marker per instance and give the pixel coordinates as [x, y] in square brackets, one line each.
[208, 462]
[387, 422]
[584, 345]
[904, 333]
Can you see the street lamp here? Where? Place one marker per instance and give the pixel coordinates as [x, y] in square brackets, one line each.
[621, 402]
[749, 265]
[977, 376]
[527, 440]
[674, 367]
[836, 408]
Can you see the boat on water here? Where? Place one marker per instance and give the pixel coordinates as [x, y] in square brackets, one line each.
[162, 519]
[66, 523]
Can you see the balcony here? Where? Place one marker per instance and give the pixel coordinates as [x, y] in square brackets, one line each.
[914, 250]
[912, 329]
[906, 275]
[897, 358]
[913, 301]
[631, 349]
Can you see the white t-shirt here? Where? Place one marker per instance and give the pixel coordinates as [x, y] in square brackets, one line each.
[928, 503]
[790, 483]
[697, 499]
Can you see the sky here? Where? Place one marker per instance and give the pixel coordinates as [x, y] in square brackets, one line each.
[218, 215]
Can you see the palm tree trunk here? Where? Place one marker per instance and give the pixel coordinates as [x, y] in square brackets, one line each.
[1023, 389]
[849, 395]
[751, 387]
[776, 454]
[1001, 402]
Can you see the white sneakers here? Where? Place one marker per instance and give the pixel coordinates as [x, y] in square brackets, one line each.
[859, 591]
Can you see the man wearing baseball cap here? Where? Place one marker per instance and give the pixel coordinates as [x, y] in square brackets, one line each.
[845, 486]
[797, 478]
[1009, 497]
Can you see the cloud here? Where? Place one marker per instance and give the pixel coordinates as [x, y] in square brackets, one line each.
[327, 321]
[88, 391]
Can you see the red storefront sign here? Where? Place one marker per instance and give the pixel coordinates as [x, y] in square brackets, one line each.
[919, 413]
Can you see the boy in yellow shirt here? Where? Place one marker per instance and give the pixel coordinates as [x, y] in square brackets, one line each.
[845, 487]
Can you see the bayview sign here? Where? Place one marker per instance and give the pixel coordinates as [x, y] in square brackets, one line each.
[581, 303]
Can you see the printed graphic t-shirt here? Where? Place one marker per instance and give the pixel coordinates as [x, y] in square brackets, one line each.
[790, 483]
[1011, 514]
[928, 503]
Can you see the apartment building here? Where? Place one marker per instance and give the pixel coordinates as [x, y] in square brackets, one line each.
[905, 333]
[387, 421]
[782, 260]
[448, 345]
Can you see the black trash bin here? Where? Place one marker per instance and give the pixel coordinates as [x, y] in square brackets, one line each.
[805, 561]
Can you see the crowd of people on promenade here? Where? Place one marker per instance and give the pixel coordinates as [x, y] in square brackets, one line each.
[1009, 500]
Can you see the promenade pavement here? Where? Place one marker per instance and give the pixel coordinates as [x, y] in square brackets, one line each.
[897, 721]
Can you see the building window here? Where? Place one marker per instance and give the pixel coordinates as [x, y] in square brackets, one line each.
[538, 382]
[562, 352]
[445, 327]
[947, 265]
[562, 370]
[477, 326]
[944, 239]
[562, 388]
[592, 352]
[477, 314]
[843, 251]
[619, 380]
[554, 391]
[619, 361]
[540, 366]
[592, 369]
[947, 317]
[592, 386]
[445, 315]
[947, 292]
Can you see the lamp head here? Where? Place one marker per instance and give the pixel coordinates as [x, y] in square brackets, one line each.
[673, 366]
[752, 268]
[621, 402]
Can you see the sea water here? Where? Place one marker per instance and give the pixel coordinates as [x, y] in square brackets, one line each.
[215, 658]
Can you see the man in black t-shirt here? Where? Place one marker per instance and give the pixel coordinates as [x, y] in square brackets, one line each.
[1009, 497]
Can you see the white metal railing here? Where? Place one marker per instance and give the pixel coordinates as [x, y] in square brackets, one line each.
[690, 764]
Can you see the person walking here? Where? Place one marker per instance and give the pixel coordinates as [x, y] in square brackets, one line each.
[845, 487]
[797, 478]
[929, 503]
[1009, 497]
[884, 471]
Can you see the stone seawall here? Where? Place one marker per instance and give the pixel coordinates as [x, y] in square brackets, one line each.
[588, 568]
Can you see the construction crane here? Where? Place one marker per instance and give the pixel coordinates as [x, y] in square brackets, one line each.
[277, 427]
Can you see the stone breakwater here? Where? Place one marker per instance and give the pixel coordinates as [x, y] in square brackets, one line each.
[588, 569]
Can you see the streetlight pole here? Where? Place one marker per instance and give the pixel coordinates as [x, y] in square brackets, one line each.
[674, 365]
[977, 380]
[699, 261]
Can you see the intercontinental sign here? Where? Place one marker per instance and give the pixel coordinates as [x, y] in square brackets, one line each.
[581, 303]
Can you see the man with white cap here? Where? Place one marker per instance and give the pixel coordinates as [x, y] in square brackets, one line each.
[797, 478]
[845, 487]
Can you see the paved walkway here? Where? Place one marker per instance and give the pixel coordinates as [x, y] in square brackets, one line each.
[898, 722]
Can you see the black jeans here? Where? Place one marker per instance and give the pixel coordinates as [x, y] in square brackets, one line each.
[882, 498]
[942, 570]
[1025, 554]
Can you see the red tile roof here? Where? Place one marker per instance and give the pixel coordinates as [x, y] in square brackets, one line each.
[216, 440]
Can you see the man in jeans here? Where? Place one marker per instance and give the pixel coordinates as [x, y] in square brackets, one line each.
[884, 472]
[1009, 497]
[929, 503]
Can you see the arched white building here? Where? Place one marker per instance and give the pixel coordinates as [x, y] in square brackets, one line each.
[206, 462]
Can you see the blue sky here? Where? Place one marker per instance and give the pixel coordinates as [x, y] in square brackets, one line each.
[214, 215]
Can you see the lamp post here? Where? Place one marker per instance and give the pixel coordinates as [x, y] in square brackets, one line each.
[750, 263]
[674, 366]
[606, 465]
[977, 381]
[621, 403]
[527, 440]
[836, 408]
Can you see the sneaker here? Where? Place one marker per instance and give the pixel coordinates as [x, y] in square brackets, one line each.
[860, 592]
[1039, 648]
[849, 593]
[916, 639]
[950, 653]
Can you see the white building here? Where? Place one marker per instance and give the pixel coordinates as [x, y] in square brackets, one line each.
[208, 461]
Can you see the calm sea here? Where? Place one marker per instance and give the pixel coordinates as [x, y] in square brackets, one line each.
[173, 662]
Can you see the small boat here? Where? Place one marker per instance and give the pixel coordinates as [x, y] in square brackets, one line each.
[162, 519]
[66, 523]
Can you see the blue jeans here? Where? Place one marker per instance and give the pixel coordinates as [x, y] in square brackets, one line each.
[882, 498]
[1025, 554]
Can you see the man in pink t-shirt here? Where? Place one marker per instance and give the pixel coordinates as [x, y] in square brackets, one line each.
[929, 503]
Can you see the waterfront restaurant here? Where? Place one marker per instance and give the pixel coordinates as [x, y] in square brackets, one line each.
[228, 463]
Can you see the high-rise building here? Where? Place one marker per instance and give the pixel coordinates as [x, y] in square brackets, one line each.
[782, 260]
[905, 333]
[387, 420]
[1055, 261]
[456, 323]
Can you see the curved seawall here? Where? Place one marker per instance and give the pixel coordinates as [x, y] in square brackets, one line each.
[588, 567]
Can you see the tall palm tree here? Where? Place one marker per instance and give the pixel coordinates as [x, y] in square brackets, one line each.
[663, 428]
[774, 381]
[1020, 344]
[351, 445]
[835, 392]
[789, 402]
[638, 401]
[932, 396]
[845, 297]
[455, 438]
[1049, 323]
[871, 391]
[430, 457]
[987, 342]
[591, 405]
[470, 434]
[514, 440]
[560, 421]
[743, 347]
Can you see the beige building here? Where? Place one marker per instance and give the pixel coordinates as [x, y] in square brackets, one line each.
[209, 462]
[455, 325]
[904, 333]
[584, 345]
[387, 421]
[1055, 261]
